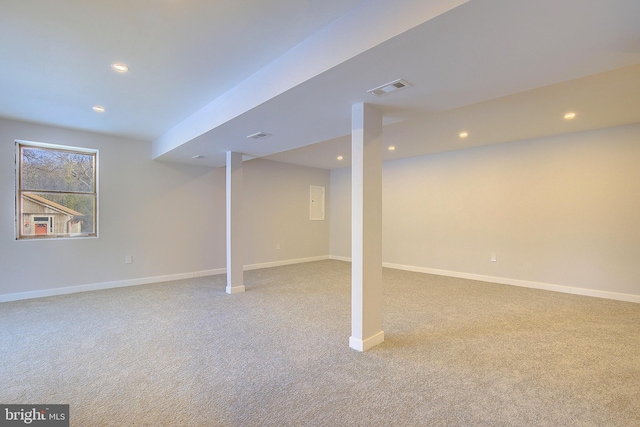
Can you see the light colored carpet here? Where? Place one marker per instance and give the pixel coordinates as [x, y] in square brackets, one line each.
[457, 353]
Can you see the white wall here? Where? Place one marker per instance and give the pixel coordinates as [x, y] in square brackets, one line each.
[169, 217]
[340, 226]
[562, 211]
[276, 210]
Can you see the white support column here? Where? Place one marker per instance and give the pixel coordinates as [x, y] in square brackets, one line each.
[366, 223]
[235, 280]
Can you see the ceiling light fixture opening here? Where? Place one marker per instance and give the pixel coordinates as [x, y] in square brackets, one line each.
[389, 87]
[339, 157]
[391, 148]
[99, 109]
[570, 116]
[198, 156]
[463, 134]
[259, 135]
[121, 68]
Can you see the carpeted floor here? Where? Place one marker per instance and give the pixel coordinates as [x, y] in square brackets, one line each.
[457, 353]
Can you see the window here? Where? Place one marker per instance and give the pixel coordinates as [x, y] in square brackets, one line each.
[56, 191]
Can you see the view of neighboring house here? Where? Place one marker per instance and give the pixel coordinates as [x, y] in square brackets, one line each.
[42, 216]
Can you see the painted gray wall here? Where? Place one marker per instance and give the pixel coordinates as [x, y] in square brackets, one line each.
[561, 210]
[276, 210]
[169, 217]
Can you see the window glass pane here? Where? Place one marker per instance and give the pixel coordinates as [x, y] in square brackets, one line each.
[57, 191]
[65, 213]
[53, 170]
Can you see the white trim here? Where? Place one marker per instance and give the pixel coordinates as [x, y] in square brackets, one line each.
[145, 280]
[285, 262]
[106, 285]
[506, 281]
[234, 289]
[521, 283]
[205, 273]
[18, 213]
[158, 279]
[364, 345]
[56, 146]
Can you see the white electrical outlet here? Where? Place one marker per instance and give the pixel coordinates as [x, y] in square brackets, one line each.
[278, 246]
[494, 258]
[128, 259]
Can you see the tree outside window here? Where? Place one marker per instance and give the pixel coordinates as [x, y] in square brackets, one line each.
[56, 191]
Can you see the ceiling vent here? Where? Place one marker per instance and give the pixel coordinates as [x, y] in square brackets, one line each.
[259, 135]
[389, 87]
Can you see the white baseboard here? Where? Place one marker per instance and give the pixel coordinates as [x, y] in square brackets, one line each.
[107, 285]
[284, 262]
[507, 281]
[145, 280]
[521, 283]
[366, 344]
[235, 289]
[180, 276]
[208, 272]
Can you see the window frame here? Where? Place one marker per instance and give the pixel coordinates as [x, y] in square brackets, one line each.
[19, 144]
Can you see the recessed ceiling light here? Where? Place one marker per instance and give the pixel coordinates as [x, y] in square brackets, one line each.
[259, 135]
[198, 156]
[463, 134]
[99, 109]
[570, 116]
[391, 148]
[121, 68]
[389, 87]
[339, 157]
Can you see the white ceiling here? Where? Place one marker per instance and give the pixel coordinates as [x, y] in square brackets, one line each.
[56, 56]
[205, 74]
